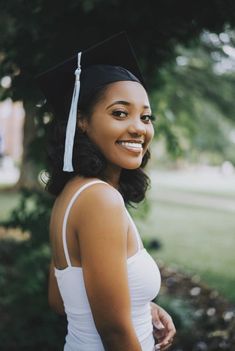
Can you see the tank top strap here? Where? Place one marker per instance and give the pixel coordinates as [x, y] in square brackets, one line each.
[136, 230]
[71, 202]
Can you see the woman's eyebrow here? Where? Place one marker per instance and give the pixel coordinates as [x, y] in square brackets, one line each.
[126, 103]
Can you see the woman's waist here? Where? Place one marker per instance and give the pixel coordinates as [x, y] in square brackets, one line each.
[80, 344]
[83, 324]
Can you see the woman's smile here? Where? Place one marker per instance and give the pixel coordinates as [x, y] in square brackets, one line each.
[135, 147]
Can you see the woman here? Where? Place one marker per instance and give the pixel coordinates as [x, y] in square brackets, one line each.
[101, 275]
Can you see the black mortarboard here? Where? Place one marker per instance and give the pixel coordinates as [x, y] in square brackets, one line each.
[107, 62]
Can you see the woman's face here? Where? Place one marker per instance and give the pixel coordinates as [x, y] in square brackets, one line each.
[120, 124]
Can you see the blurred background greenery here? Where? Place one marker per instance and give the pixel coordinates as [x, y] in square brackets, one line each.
[187, 54]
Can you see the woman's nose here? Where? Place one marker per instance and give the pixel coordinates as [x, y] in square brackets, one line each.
[137, 127]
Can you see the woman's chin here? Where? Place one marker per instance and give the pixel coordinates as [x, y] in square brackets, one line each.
[133, 165]
[126, 164]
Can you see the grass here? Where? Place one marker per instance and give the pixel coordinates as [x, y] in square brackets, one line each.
[222, 194]
[195, 238]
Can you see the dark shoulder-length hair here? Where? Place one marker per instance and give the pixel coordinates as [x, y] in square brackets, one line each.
[88, 161]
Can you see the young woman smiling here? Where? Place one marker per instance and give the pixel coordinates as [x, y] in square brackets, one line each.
[101, 275]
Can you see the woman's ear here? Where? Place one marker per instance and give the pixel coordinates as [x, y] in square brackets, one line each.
[81, 122]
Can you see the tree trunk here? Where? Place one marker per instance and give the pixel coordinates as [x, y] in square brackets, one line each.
[28, 170]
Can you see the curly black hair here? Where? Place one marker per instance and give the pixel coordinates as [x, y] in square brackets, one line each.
[88, 161]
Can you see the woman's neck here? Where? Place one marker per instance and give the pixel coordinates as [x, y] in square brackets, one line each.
[112, 176]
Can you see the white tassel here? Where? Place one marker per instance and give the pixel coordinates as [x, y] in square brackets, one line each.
[72, 120]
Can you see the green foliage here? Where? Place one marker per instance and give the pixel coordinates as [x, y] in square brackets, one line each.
[26, 320]
[34, 36]
[195, 104]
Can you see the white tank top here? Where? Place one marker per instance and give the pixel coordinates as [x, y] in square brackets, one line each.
[144, 282]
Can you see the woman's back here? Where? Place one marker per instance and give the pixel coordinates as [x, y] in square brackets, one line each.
[78, 282]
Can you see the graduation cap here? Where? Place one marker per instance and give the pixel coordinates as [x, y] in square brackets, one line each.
[109, 61]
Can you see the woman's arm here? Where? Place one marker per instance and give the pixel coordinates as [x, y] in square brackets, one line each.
[54, 297]
[163, 327]
[103, 227]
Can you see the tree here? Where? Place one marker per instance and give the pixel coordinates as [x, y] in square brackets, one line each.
[35, 35]
[196, 100]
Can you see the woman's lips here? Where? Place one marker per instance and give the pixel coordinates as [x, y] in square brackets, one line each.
[131, 146]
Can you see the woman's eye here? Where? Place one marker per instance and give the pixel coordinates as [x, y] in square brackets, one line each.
[148, 118]
[119, 113]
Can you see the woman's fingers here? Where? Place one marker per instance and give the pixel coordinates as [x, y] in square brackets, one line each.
[167, 340]
[159, 334]
[163, 328]
[163, 347]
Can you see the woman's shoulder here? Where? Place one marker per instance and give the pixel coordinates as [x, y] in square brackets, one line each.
[91, 194]
[100, 202]
[94, 192]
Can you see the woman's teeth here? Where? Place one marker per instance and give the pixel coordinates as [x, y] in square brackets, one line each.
[130, 145]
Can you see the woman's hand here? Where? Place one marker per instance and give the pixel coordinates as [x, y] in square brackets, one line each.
[163, 327]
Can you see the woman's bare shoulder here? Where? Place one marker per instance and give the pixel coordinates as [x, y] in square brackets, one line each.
[99, 196]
